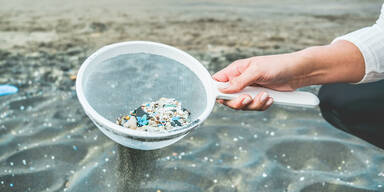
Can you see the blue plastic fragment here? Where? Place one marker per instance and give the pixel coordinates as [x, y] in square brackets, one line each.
[7, 90]
[175, 118]
[142, 120]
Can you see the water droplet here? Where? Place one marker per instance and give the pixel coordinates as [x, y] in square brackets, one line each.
[302, 178]
[11, 163]
[24, 162]
[52, 157]
[264, 175]
[215, 180]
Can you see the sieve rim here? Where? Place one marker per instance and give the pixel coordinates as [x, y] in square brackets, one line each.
[193, 64]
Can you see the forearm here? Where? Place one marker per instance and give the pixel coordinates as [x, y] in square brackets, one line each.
[338, 62]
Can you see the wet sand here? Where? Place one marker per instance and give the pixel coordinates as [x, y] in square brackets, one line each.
[48, 144]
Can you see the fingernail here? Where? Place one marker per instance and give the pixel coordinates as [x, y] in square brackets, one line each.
[263, 97]
[247, 100]
[269, 102]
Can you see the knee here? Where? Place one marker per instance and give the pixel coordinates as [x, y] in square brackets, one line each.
[330, 99]
[335, 107]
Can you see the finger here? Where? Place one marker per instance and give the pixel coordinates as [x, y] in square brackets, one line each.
[231, 71]
[221, 101]
[239, 83]
[220, 76]
[224, 74]
[268, 104]
[259, 102]
[239, 102]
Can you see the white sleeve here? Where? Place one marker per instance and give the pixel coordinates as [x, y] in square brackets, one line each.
[370, 41]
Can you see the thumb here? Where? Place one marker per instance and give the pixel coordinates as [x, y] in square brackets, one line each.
[239, 83]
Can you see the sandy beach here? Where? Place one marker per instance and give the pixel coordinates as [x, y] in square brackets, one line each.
[47, 143]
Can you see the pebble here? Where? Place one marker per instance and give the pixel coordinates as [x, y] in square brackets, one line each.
[131, 123]
[73, 77]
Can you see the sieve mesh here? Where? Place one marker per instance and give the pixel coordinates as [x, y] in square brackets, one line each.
[120, 84]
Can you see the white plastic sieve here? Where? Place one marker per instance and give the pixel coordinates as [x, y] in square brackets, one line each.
[119, 77]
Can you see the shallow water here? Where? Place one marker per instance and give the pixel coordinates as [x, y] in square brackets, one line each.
[48, 144]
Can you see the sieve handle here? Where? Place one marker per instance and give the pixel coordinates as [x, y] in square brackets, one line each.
[290, 98]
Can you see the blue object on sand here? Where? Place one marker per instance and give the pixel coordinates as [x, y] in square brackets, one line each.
[7, 90]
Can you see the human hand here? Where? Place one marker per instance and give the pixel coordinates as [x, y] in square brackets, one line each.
[339, 62]
[275, 72]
